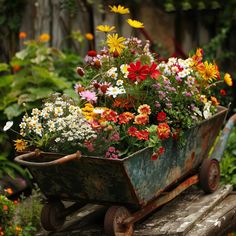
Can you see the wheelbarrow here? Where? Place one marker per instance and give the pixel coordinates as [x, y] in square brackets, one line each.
[132, 187]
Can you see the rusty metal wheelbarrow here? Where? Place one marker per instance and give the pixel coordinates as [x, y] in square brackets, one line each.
[135, 182]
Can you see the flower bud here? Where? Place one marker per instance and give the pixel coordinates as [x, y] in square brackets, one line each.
[80, 71]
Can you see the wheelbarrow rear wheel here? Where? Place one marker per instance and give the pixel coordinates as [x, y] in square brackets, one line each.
[113, 222]
[51, 215]
[209, 176]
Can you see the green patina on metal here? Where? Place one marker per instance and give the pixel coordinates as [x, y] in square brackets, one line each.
[134, 180]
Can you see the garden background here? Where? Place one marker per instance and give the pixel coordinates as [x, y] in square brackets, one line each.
[29, 72]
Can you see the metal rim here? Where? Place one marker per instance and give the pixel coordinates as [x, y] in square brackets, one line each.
[51, 215]
[114, 217]
[209, 175]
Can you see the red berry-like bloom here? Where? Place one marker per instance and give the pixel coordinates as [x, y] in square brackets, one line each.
[92, 53]
[161, 116]
[137, 72]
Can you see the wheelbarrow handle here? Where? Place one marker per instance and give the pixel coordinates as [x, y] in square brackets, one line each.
[220, 146]
[21, 159]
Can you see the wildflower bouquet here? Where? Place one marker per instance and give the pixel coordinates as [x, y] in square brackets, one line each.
[128, 100]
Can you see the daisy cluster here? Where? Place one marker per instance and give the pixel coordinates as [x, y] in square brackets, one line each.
[59, 123]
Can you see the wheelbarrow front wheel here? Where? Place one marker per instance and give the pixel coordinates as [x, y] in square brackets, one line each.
[209, 176]
[52, 217]
[113, 222]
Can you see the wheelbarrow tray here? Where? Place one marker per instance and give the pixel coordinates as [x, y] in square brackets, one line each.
[134, 180]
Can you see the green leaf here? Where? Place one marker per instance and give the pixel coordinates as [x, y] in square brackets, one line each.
[22, 54]
[71, 93]
[13, 111]
[4, 67]
[40, 93]
[5, 80]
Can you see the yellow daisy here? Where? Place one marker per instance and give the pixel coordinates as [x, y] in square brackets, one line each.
[135, 23]
[208, 71]
[105, 28]
[20, 145]
[119, 9]
[228, 80]
[115, 43]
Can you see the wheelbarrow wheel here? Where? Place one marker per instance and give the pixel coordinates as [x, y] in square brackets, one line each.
[209, 176]
[113, 222]
[51, 215]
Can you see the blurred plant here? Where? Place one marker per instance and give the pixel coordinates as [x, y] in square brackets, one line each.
[228, 163]
[34, 73]
[20, 218]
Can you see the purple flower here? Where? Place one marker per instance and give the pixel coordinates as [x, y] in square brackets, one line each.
[178, 78]
[188, 94]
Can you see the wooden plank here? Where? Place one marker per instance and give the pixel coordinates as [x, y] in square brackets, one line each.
[179, 216]
[221, 219]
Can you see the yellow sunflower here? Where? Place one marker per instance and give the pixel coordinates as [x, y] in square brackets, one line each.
[105, 28]
[119, 9]
[208, 71]
[20, 145]
[228, 80]
[115, 43]
[135, 23]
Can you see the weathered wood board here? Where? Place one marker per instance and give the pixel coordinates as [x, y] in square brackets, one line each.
[192, 213]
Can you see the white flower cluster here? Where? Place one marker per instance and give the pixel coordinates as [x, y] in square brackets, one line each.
[58, 122]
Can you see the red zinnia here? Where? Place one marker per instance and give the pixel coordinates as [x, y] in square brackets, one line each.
[125, 117]
[109, 115]
[137, 72]
[154, 73]
[132, 131]
[163, 131]
[161, 116]
[92, 53]
[142, 134]
[141, 119]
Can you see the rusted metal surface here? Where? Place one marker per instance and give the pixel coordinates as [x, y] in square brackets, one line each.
[220, 146]
[134, 180]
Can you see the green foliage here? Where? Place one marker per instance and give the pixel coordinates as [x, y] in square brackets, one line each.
[228, 163]
[33, 74]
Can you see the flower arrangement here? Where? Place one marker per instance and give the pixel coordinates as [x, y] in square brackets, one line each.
[128, 100]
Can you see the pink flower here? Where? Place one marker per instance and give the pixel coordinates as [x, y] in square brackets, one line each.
[88, 95]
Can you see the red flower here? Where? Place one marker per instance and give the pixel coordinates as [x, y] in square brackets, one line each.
[154, 73]
[163, 131]
[154, 156]
[137, 72]
[222, 92]
[141, 119]
[142, 134]
[161, 150]
[92, 53]
[109, 115]
[125, 117]
[132, 131]
[80, 71]
[161, 116]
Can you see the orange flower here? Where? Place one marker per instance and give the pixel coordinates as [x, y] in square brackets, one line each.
[163, 130]
[18, 229]
[16, 68]
[5, 207]
[214, 101]
[9, 191]
[44, 37]
[142, 135]
[228, 79]
[20, 145]
[144, 109]
[141, 119]
[22, 35]
[89, 36]
[125, 117]
[109, 115]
